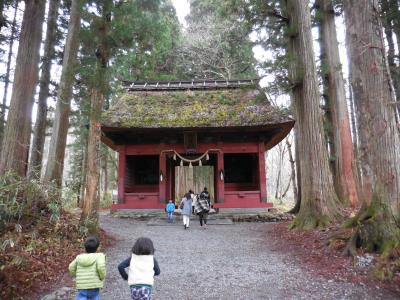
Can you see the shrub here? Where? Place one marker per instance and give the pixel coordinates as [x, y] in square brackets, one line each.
[21, 197]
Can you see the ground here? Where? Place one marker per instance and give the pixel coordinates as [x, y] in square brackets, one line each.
[223, 262]
[237, 261]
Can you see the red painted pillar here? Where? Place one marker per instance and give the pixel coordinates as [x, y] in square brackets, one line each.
[261, 172]
[220, 181]
[162, 184]
[121, 174]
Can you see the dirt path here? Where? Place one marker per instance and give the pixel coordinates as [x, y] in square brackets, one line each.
[222, 262]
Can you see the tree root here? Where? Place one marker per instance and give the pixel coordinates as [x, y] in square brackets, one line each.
[351, 246]
[309, 221]
[375, 229]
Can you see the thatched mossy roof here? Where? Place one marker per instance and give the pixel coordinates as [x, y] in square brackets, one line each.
[193, 108]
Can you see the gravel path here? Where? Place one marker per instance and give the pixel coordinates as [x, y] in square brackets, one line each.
[222, 262]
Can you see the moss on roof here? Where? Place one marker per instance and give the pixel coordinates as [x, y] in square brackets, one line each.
[192, 108]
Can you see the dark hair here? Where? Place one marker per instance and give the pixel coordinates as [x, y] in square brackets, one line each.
[187, 196]
[91, 244]
[190, 192]
[205, 188]
[143, 246]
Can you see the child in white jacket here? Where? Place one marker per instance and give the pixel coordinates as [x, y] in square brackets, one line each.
[142, 269]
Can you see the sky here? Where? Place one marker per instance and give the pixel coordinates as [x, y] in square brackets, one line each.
[182, 10]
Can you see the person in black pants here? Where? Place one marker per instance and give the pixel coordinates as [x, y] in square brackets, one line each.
[202, 207]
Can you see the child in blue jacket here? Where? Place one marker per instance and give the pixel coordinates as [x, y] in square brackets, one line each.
[170, 210]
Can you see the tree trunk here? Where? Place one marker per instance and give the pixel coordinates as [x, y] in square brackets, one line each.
[83, 175]
[7, 75]
[89, 217]
[342, 148]
[293, 168]
[296, 208]
[353, 119]
[55, 163]
[319, 203]
[39, 133]
[91, 201]
[278, 177]
[390, 12]
[370, 80]
[15, 149]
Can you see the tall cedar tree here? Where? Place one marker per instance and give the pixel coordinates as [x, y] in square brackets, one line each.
[8, 71]
[35, 163]
[377, 227]
[319, 203]
[216, 44]
[101, 26]
[15, 149]
[270, 16]
[55, 163]
[145, 35]
[344, 168]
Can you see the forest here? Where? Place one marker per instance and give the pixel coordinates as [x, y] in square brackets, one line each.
[334, 65]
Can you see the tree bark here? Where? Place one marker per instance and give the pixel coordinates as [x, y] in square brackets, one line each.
[39, 133]
[344, 168]
[55, 163]
[83, 175]
[89, 217]
[15, 149]
[370, 80]
[319, 203]
[7, 75]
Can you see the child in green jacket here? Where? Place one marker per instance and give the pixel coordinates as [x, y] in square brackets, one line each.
[90, 270]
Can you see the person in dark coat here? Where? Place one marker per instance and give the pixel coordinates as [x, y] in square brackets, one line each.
[202, 207]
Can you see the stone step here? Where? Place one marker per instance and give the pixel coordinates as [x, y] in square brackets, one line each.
[178, 222]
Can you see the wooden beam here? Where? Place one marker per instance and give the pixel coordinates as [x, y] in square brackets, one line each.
[108, 142]
[162, 183]
[121, 173]
[261, 172]
[220, 182]
[155, 149]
